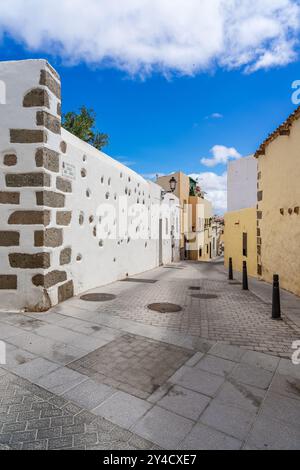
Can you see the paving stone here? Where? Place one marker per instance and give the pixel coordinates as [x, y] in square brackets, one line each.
[201, 382]
[13, 427]
[232, 353]
[140, 373]
[87, 439]
[89, 394]
[49, 433]
[38, 424]
[286, 367]
[252, 375]
[205, 438]
[231, 420]
[264, 361]
[61, 380]
[270, 434]
[285, 385]
[60, 443]
[36, 445]
[156, 425]
[23, 436]
[194, 359]
[34, 369]
[184, 402]
[16, 357]
[283, 408]
[216, 365]
[75, 429]
[123, 409]
[7, 331]
[241, 395]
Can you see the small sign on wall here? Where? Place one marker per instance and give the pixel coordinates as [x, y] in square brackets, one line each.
[69, 171]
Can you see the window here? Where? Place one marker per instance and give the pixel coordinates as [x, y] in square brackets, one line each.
[245, 243]
[200, 252]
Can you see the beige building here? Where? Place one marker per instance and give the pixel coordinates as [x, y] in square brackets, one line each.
[196, 217]
[278, 205]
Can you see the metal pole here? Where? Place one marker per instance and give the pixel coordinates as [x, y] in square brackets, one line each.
[276, 310]
[230, 276]
[245, 276]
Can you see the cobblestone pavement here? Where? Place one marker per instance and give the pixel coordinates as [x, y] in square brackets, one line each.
[32, 418]
[198, 379]
[133, 364]
[235, 316]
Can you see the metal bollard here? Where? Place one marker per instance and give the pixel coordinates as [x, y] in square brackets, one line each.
[276, 310]
[230, 276]
[245, 276]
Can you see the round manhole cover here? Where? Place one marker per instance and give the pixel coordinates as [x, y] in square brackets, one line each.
[194, 288]
[205, 296]
[165, 307]
[98, 297]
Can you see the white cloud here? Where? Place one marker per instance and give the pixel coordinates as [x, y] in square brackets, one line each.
[221, 155]
[140, 36]
[217, 116]
[216, 188]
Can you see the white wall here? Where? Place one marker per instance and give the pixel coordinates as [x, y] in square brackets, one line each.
[95, 179]
[242, 184]
[107, 180]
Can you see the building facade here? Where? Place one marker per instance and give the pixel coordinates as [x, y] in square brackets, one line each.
[196, 216]
[240, 220]
[278, 205]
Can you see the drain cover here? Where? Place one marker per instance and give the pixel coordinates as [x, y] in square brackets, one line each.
[98, 297]
[205, 296]
[194, 288]
[164, 307]
[235, 283]
[146, 281]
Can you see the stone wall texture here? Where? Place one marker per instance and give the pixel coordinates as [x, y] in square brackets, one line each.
[51, 188]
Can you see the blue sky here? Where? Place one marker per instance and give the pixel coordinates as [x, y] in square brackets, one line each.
[170, 118]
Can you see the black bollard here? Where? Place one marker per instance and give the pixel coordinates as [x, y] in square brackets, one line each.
[245, 276]
[230, 276]
[276, 310]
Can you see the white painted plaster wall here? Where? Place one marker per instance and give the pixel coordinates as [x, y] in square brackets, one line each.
[242, 184]
[91, 265]
[106, 180]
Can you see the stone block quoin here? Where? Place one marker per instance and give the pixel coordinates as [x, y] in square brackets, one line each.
[47, 224]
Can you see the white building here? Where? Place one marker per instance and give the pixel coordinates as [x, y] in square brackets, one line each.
[72, 218]
[241, 183]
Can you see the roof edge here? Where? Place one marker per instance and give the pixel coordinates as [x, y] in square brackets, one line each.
[283, 129]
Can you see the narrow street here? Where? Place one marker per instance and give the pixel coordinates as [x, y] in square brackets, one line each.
[109, 373]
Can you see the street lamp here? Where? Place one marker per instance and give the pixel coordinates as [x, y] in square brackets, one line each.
[173, 184]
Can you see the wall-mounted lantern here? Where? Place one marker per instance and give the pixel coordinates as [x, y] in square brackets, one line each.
[173, 185]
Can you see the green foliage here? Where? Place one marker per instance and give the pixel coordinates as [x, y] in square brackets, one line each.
[82, 125]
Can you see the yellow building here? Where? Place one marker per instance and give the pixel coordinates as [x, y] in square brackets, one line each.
[278, 206]
[196, 216]
[240, 239]
[200, 230]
